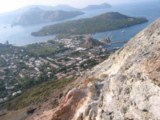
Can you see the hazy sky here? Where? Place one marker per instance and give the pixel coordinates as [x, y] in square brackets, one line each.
[8, 5]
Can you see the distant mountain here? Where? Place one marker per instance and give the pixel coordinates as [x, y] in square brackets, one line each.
[52, 8]
[101, 23]
[64, 8]
[12, 17]
[37, 16]
[94, 7]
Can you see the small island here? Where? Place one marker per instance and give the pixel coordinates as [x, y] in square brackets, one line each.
[96, 7]
[104, 22]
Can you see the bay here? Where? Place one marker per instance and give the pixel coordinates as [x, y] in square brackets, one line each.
[21, 35]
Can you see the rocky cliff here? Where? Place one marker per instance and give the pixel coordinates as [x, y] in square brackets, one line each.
[89, 42]
[124, 87]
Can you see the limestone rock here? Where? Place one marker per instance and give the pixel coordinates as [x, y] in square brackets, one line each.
[131, 80]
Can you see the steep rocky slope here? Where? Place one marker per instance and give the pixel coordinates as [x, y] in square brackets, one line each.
[124, 87]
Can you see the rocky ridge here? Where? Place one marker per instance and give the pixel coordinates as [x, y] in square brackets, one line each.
[124, 87]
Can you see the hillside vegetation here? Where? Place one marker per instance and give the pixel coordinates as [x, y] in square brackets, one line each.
[37, 94]
[101, 23]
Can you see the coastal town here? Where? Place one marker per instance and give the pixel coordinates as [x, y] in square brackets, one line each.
[22, 68]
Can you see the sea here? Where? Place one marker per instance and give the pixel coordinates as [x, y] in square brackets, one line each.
[21, 35]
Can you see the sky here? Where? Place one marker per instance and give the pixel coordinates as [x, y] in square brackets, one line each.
[9, 5]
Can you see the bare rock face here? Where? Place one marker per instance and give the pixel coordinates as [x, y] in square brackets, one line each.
[124, 87]
[67, 108]
[131, 80]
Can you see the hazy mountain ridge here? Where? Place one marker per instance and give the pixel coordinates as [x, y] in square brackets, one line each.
[11, 17]
[37, 16]
[64, 8]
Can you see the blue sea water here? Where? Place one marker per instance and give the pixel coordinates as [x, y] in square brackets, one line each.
[150, 10]
[19, 35]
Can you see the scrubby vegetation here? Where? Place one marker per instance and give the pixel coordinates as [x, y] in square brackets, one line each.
[42, 49]
[37, 94]
[2, 62]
